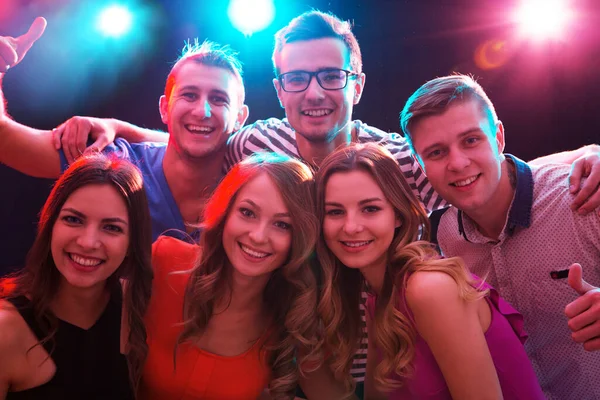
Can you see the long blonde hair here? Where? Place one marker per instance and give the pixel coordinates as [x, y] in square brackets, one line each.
[409, 252]
[290, 294]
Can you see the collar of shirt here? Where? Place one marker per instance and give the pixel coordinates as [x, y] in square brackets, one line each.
[520, 208]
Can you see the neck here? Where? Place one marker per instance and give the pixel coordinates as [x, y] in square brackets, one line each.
[491, 218]
[315, 152]
[246, 293]
[374, 275]
[191, 181]
[80, 306]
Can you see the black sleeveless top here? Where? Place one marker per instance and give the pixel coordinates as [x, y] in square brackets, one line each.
[89, 363]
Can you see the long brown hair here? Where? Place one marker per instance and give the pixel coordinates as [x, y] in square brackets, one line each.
[40, 278]
[408, 252]
[291, 293]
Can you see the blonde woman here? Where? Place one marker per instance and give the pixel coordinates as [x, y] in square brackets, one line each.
[434, 331]
[227, 316]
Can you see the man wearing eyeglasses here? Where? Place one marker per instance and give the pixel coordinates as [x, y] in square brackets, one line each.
[319, 79]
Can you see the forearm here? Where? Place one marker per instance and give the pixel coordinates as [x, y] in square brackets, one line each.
[136, 134]
[28, 150]
[566, 157]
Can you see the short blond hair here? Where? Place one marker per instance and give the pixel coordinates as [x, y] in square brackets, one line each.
[436, 95]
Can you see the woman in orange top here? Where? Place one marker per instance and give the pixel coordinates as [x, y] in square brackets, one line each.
[226, 316]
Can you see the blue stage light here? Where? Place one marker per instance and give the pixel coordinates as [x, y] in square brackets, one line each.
[249, 16]
[114, 21]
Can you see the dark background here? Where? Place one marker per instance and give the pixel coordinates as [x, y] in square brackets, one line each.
[544, 92]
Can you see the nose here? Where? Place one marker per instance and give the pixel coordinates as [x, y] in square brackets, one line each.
[458, 160]
[89, 238]
[352, 225]
[258, 234]
[203, 109]
[314, 91]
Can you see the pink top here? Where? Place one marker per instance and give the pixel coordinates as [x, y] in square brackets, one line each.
[505, 337]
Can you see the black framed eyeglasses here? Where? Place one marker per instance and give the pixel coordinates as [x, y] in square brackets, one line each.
[328, 79]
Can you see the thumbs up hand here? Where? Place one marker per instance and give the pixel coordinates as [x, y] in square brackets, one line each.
[584, 313]
[12, 50]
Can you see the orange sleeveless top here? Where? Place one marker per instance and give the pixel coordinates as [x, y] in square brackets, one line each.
[197, 374]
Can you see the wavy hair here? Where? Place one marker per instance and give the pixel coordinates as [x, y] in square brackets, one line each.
[40, 278]
[291, 293]
[409, 252]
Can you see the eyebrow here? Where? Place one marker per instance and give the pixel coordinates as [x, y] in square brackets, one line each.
[197, 89]
[82, 215]
[460, 135]
[253, 204]
[364, 201]
[317, 70]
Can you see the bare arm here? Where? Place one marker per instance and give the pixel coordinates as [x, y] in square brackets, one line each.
[371, 392]
[25, 149]
[451, 328]
[9, 359]
[28, 150]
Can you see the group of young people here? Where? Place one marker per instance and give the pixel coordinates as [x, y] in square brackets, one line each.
[308, 264]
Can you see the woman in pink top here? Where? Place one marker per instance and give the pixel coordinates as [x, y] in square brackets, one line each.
[434, 331]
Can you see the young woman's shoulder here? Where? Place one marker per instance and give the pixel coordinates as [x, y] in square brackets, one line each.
[13, 331]
[425, 289]
[173, 254]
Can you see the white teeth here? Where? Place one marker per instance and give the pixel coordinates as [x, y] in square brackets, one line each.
[252, 252]
[465, 182]
[317, 113]
[85, 261]
[197, 128]
[356, 244]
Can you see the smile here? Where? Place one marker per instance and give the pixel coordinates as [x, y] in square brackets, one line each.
[199, 129]
[317, 113]
[252, 252]
[465, 182]
[85, 261]
[356, 245]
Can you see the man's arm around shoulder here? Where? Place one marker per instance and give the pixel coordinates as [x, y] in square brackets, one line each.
[28, 150]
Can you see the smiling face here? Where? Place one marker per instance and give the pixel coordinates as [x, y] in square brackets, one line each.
[257, 235]
[316, 114]
[203, 109]
[359, 225]
[90, 237]
[461, 153]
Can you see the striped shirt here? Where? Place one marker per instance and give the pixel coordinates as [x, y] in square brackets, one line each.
[541, 235]
[279, 137]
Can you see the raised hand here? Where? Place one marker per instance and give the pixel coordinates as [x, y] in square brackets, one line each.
[12, 50]
[584, 313]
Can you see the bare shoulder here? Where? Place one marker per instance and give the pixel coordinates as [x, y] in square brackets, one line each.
[13, 330]
[431, 289]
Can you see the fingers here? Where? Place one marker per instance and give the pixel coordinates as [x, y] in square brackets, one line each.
[24, 42]
[587, 333]
[592, 345]
[98, 145]
[577, 172]
[73, 135]
[588, 198]
[8, 54]
[12, 50]
[576, 280]
[582, 320]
